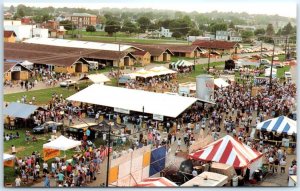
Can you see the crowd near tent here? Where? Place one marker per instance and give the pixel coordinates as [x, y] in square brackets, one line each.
[156, 182]
[62, 143]
[181, 63]
[268, 72]
[8, 157]
[230, 151]
[280, 125]
[207, 179]
[20, 110]
[219, 82]
[96, 78]
[124, 100]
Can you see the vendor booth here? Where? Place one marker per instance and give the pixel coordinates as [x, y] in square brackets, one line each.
[156, 182]
[280, 124]
[207, 179]
[96, 78]
[230, 151]
[182, 66]
[53, 148]
[8, 160]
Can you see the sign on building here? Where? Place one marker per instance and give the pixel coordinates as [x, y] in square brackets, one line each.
[205, 87]
[158, 117]
[16, 69]
[120, 110]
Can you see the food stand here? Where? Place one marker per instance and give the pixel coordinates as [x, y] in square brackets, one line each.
[78, 131]
[207, 179]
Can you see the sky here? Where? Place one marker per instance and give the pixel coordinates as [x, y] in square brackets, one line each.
[271, 7]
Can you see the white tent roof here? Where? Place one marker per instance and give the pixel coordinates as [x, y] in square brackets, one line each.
[279, 124]
[182, 63]
[134, 100]
[62, 143]
[156, 71]
[78, 44]
[20, 110]
[213, 179]
[26, 63]
[220, 82]
[97, 78]
[7, 157]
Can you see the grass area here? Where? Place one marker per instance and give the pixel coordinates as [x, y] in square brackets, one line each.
[199, 69]
[175, 59]
[106, 69]
[43, 96]
[280, 71]
[281, 58]
[98, 33]
[130, 40]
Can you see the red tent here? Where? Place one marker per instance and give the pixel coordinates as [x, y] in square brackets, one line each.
[156, 182]
[229, 151]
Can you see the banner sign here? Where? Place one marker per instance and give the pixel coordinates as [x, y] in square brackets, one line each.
[205, 87]
[16, 69]
[9, 163]
[158, 117]
[50, 153]
[120, 110]
[285, 142]
[158, 160]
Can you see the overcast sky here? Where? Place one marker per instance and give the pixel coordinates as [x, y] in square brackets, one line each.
[271, 7]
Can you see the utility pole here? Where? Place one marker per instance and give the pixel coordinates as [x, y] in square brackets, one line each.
[194, 67]
[143, 117]
[261, 46]
[270, 87]
[209, 55]
[285, 52]
[119, 57]
[107, 170]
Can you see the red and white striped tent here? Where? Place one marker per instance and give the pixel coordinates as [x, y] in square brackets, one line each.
[156, 182]
[228, 150]
[104, 153]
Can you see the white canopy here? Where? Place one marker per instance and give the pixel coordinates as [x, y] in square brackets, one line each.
[62, 143]
[156, 71]
[220, 82]
[97, 78]
[7, 157]
[212, 180]
[180, 63]
[134, 100]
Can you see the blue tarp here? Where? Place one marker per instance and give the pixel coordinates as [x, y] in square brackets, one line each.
[19, 110]
[158, 160]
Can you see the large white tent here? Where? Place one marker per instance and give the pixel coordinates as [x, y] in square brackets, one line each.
[123, 99]
[280, 124]
[62, 143]
[155, 71]
[79, 44]
[7, 157]
[181, 63]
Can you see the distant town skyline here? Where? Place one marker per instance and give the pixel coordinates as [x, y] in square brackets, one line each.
[285, 8]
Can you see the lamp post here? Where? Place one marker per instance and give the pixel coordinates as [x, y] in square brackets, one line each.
[270, 86]
[107, 171]
[209, 56]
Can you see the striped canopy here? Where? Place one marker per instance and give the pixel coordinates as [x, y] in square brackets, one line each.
[156, 182]
[227, 150]
[181, 63]
[280, 124]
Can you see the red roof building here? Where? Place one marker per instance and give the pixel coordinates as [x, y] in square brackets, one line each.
[217, 45]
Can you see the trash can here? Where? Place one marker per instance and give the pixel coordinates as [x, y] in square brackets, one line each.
[235, 181]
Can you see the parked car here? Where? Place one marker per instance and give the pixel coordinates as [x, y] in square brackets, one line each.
[287, 75]
[67, 83]
[46, 127]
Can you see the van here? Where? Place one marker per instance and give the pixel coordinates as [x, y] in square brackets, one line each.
[93, 65]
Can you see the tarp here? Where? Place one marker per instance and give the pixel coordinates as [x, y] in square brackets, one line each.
[280, 124]
[134, 100]
[62, 143]
[219, 82]
[7, 157]
[19, 110]
[96, 78]
[229, 151]
[158, 160]
[207, 179]
[181, 63]
[156, 182]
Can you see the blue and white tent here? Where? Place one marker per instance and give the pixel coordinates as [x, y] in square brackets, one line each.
[280, 124]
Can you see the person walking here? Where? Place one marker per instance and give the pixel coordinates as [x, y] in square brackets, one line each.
[47, 181]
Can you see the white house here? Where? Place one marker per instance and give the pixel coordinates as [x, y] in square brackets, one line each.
[234, 36]
[194, 38]
[165, 32]
[222, 35]
[25, 31]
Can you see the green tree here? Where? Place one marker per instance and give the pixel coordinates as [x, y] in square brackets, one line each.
[176, 34]
[129, 27]
[279, 32]
[90, 28]
[231, 25]
[68, 25]
[247, 35]
[194, 32]
[287, 29]
[144, 23]
[11, 9]
[218, 27]
[259, 31]
[21, 11]
[270, 30]
[112, 26]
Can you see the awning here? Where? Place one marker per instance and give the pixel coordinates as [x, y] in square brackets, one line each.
[96, 78]
[156, 182]
[62, 143]
[220, 82]
[7, 157]
[181, 63]
[134, 100]
[19, 110]
[280, 124]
